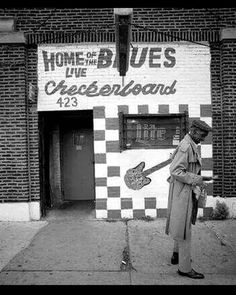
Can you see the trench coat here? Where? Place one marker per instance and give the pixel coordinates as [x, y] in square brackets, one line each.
[184, 176]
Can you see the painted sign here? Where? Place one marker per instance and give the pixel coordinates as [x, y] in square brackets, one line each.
[78, 76]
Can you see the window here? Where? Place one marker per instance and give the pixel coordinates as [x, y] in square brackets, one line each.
[152, 131]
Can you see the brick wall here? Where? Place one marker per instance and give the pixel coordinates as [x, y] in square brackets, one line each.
[33, 126]
[216, 119]
[13, 134]
[13, 140]
[69, 19]
[228, 66]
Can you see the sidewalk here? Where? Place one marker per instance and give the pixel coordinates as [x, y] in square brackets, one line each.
[15, 236]
[100, 252]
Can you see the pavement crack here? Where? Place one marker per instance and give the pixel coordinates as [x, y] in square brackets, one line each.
[126, 264]
[222, 241]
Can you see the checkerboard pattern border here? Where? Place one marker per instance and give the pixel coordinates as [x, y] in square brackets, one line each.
[109, 202]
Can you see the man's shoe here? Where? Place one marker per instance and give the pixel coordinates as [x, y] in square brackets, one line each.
[192, 274]
[175, 258]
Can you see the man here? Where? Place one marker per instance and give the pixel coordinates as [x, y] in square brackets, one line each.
[182, 202]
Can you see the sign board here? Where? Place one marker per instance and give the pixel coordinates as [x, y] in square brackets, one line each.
[79, 76]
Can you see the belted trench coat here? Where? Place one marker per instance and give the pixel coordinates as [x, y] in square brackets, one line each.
[184, 175]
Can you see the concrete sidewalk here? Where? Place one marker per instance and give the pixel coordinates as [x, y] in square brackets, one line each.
[100, 252]
[15, 236]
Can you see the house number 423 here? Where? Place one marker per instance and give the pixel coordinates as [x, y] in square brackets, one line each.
[67, 102]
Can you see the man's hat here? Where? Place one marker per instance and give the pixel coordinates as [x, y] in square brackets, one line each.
[201, 125]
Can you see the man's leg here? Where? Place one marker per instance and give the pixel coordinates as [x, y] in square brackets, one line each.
[175, 256]
[185, 268]
[185, 254]
[176, 247]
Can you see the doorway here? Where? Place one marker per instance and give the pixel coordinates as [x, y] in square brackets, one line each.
[66, 161]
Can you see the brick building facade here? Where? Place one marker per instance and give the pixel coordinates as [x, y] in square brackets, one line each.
[24, 183]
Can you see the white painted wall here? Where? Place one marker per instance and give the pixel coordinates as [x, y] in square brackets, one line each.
[191, 72]
[20, 211]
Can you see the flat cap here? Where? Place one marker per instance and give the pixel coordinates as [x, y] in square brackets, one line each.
[201, 125]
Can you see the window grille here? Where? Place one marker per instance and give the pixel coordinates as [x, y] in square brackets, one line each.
[152, 131]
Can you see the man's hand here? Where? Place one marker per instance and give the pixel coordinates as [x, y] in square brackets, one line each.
[209, 178]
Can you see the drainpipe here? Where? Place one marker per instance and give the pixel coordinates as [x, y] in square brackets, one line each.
[222, 124]
[27, 124]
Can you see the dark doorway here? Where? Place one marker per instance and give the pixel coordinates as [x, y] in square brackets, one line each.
[66, 160]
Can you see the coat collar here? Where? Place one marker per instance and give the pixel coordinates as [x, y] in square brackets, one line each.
[193, 144]
[194, 147]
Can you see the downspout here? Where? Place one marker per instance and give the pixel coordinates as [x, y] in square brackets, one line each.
[222, 124]
[27, 124]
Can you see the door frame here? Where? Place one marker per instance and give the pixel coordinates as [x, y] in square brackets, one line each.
[43, 148]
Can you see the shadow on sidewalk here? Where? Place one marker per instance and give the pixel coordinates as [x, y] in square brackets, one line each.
[72, 210]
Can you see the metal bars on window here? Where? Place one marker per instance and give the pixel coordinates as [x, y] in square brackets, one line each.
[152, 131]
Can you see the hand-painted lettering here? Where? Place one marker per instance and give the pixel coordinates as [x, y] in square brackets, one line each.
[133, 62]
[94, 90]
[104, 58]
[155, 57]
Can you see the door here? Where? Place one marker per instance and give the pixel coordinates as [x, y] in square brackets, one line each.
[77, 158]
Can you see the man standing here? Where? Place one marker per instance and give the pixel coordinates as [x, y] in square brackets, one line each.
[184, 178]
